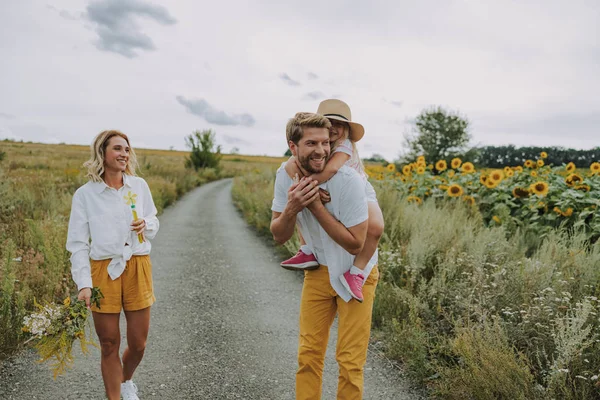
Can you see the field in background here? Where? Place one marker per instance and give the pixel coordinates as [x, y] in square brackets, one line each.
[37, 182]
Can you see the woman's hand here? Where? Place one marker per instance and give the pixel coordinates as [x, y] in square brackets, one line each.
[139, 226]
[85, 294]
[325, 196]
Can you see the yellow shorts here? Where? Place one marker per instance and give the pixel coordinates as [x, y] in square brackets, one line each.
[132, 291]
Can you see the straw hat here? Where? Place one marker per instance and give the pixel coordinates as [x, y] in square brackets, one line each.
[340, 111]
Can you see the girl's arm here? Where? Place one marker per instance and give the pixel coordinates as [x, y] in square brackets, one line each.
[78, 243]
[150, 212]
[336, 162]
[291, 167]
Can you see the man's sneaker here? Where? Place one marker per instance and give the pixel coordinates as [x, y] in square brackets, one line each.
[129, 391]
[301, 261]
[354, 284]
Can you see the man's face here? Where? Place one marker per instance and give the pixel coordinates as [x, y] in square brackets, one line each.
[312, 151]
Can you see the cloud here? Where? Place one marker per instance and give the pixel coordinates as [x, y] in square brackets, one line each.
[116, 28]
[201, 108]
[396, 103]
[315, 95]
[7, 116]
[233, 140]
[312, 76]
[63, 13]
[286, 78]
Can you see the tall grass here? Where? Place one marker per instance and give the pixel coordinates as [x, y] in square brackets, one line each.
[472, 312]
[37, 183]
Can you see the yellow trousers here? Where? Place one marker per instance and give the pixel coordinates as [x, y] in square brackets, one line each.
[318, 307]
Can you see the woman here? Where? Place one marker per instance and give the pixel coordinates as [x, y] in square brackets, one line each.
[117, 260]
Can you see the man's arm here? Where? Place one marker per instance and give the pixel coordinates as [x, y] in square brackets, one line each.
[299, 196]
[351, 239]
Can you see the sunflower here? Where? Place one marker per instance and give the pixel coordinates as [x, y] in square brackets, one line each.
[414, 199]
[468, 168]
[510, 173]
[455, 163]
[540, 188]
[455, 190]
[573, 180]
[497, 219]
[441, 165]
[595, 168]
[571, 167]
[443, 187]
[568, 213]
[585, 188]
[557, 210]
[391, 167]
[507, 170]
[491, 184]
[430, 167]
[483, 179]
[470, 200]
[540, 163]
[543, 154]
[534, 174]
[518, 168]
[421, 159]
[380, 177]
[496, 175]
[420, 170]
[528, 164]
[520, 192]
[406, 170]
[451, 173]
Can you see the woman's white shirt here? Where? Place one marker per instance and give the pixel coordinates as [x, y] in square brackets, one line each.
[101, 213]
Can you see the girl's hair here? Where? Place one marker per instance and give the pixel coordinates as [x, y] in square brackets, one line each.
[95, 165]
[354, 149]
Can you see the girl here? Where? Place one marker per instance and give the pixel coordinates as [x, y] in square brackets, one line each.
[343, 136]
[117, 259]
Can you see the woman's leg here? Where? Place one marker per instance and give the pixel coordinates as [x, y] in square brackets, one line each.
[374, 232]
[107, 328]
[138, 324]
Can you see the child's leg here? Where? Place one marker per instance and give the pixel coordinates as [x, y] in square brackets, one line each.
[374, 232]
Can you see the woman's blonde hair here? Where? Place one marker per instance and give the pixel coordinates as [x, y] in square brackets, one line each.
[95, 165]
[341, 139]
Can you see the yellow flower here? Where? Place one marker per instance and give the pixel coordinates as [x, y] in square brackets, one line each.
[539, 188]
[543, 154]
[490, 183]
[451, 173]
[507, 170]
[568, 213]
[570, 167]
[455, 190]
[430, 167]
[573, 180]
[534, 174]
[406, 170]
[585, 188]
[67, 301]
[529, 164]
[391, 167]
[518, 168]
[482, 179]
[414, 199]
[441, 165]
[540, 163]
[497, 219]
[470, 200]
[595, 168]
[420, 170]
[557, 210]
[496, 175]
[443, 187]
[520, 192]
[510, 173]
[455, 163]
[468, 168]
[421, 159]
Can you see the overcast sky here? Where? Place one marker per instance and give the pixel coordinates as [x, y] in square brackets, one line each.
[523, 72]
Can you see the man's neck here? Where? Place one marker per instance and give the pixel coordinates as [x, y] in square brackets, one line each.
[113, 179]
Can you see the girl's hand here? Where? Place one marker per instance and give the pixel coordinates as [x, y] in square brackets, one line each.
[85, 294]
[325, 196]
[291, 167]
[139, 225]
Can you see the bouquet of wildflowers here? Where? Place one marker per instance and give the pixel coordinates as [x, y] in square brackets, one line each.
[55, 327]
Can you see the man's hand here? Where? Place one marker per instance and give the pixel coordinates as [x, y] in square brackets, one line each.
[301, 194]
[85, 294]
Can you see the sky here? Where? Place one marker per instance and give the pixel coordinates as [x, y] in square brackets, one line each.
[522, 72]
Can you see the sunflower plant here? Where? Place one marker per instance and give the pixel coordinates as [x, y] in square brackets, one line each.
[54, 328]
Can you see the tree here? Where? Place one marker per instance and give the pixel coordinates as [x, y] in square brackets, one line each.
[437, 134]
[202, 155]
[288, 153]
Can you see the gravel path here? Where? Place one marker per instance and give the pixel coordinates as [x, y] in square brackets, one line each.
[225, 325]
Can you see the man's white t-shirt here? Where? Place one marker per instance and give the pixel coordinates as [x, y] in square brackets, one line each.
[348, 205]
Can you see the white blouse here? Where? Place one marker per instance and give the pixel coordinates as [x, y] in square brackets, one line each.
[101, 213]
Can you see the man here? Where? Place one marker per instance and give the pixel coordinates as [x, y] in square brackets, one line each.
[336, 232]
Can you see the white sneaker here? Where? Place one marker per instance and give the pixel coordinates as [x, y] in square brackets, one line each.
[129, 391]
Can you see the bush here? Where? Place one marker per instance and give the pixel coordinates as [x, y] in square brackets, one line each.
[203, 154]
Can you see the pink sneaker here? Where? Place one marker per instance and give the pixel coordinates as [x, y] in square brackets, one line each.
[354, 284]
[301, 262]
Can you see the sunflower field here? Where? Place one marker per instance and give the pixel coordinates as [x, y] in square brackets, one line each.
[534, 197]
